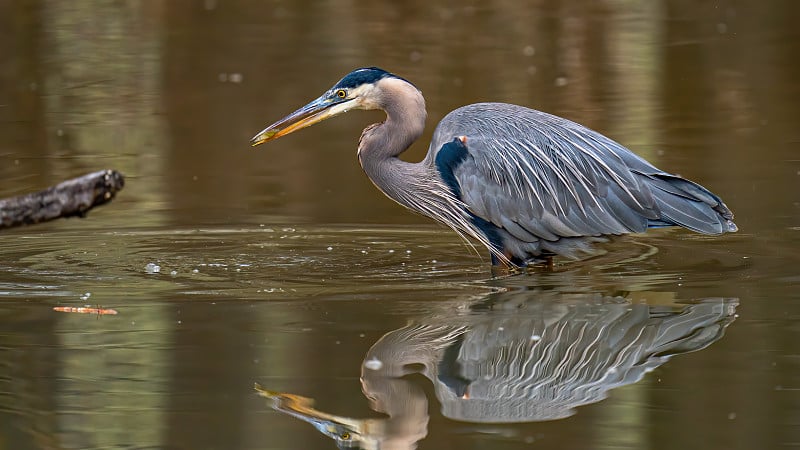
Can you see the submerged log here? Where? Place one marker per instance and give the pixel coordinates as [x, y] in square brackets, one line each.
[70, 198]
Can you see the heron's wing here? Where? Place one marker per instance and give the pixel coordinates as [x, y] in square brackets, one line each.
[543, 177]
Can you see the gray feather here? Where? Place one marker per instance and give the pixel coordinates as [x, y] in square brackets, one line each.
[542, 177]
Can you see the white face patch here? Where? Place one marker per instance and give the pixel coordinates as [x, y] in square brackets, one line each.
[365, 96]
[372, 96]
[340, 108]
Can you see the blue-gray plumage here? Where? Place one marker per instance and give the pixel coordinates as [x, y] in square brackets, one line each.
[526, 184]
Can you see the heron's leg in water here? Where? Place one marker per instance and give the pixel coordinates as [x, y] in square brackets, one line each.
[504, 270]
[501, 268]
[510, 266]
[543, 263]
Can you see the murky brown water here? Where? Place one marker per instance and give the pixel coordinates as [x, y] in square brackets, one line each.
[284, 267]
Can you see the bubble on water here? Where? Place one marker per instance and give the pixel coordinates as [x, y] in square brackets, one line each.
[173, 273]
[529, 51]
[195, 271]
[562, 81]
[536, 337]
[152, 268]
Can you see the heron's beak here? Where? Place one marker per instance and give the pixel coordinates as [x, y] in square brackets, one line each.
[318, 110]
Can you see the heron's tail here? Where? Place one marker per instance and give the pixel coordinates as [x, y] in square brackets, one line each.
[689, 205]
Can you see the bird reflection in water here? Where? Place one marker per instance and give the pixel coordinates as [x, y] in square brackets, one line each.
[519, 356]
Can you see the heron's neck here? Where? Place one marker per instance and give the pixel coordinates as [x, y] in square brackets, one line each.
[394, 177]
[416, 186]
[381, 143]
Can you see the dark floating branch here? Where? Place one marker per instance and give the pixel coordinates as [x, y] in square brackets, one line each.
[70, 198]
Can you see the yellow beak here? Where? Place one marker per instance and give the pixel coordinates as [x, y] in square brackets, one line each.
[318, 110]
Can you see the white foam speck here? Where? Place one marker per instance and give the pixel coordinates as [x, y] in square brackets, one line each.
[373, 364]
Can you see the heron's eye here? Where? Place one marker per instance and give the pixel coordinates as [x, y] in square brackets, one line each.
[345, 436]
[341, 93]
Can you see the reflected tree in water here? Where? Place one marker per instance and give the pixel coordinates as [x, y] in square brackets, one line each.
[518, 356]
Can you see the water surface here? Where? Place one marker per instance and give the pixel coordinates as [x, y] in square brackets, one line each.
[283, 266]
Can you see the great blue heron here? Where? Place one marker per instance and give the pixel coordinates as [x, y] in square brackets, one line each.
[526, 184]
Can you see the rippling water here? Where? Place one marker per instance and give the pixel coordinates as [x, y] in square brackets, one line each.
[306, 311]
[284, 267]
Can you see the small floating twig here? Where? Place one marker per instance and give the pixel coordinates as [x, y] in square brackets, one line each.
[86, 310]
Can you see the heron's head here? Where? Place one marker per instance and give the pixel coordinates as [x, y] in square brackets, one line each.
[360, 89]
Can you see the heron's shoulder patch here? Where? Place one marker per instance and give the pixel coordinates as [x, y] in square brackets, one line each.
[448, 158]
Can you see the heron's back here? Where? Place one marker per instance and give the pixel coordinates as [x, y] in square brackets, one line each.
[539, 177]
